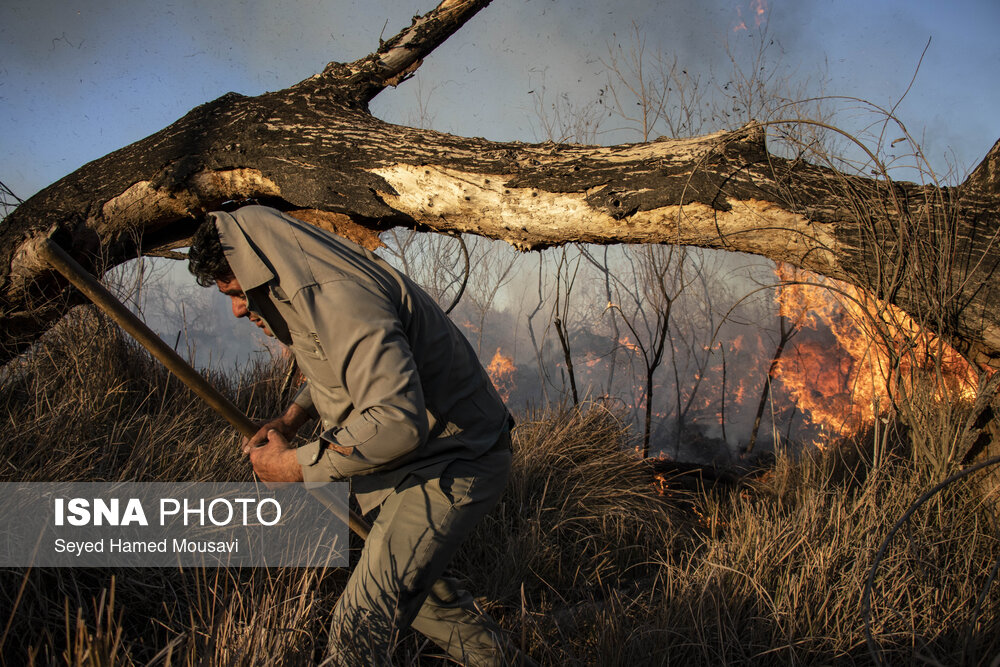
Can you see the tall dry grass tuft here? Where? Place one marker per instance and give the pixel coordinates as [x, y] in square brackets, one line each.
[773, 573]
[88, 404]
[582, 562]
[578, 510]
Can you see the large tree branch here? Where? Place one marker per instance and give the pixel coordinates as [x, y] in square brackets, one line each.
[396, 59]
[314, 147]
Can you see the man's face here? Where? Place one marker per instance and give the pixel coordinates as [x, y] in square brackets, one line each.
[232, 289]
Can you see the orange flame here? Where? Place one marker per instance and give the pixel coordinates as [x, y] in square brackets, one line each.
[852, 353]
[591, 360]
[628, 345]
[501, 371]
[759, 10]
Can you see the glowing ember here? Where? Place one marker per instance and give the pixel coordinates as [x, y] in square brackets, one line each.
[501, 371]
[661, 484]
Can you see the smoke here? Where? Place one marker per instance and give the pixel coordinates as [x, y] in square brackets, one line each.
[196, 321]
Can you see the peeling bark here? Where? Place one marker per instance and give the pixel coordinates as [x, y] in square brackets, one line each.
[315, 149]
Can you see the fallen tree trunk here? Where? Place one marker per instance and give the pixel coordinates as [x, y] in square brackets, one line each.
[315, 148]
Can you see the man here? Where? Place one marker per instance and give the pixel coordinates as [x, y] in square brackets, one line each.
[407, 412]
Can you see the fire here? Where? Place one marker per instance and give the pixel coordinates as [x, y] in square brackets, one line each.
[628, 345]
[501, 371]
[661, 484]
[741, 391]
[759, 10]
[851, 353]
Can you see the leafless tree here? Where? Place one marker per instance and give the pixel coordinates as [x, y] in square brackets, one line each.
[493, 268]
[652, 94]
[567, 270]
[645, 303]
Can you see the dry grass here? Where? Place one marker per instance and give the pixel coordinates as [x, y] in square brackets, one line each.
[583, 563]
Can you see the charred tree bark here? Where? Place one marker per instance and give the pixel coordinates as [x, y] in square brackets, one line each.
[314, 147]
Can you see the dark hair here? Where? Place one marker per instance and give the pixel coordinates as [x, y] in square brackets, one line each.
[206, 259]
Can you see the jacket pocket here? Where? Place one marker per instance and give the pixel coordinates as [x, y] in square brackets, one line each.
[325, 383]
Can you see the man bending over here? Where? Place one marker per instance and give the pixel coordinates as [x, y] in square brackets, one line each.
[407, 413]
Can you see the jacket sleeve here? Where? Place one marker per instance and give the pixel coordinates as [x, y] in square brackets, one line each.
[370, 358]
[303, 399]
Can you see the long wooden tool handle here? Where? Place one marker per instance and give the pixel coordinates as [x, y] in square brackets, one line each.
[127, 320]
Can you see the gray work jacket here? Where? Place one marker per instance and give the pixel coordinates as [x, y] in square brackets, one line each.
[387, 371]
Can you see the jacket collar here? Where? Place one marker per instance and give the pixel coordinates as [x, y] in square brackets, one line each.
[246, 261]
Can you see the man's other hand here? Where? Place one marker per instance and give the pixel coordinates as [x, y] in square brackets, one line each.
[259, 438]
[287, 425]
[275, 460]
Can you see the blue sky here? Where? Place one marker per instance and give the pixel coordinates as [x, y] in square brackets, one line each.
[81, 78]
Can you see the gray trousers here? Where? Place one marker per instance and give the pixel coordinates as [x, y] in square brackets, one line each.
[398, 583]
